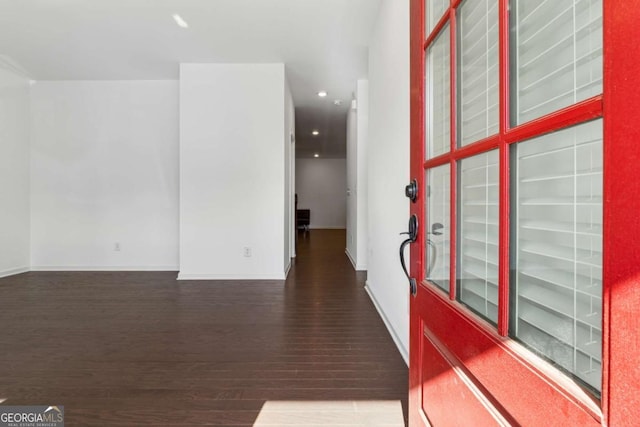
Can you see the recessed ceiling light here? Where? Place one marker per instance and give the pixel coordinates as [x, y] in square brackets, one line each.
[322, 93]
[315, 133]
[316, 155]
[181, 22]
[337, 102]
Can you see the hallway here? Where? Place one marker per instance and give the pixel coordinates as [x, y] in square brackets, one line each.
[140, 348]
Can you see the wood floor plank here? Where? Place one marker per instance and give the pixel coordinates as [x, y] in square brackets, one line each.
[140, 348]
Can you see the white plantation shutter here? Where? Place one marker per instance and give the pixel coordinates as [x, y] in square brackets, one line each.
[434, 9]
[439, 95]
[558, 258]
[558, 54]
[438, 212]
[478, 251]
[478, 76]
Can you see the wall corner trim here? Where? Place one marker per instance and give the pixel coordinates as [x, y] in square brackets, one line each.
[353, 263]
[403, 351]
[356, 266]
[288, 269]
[13, 271]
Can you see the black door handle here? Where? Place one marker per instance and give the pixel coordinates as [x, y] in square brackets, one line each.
[413, 236]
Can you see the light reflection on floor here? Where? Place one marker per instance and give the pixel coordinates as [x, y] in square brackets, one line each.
[360, 413]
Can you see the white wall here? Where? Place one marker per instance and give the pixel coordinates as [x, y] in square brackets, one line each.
[289, 188]
[14, 173]
[292, 169]
[232, 171]
[388, 165]
[104, 170]
[321, 185]
[357, 185]
[362, 188]
[352, 182]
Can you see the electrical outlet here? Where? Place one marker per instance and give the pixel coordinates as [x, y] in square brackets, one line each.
[247, 252]
[116, 247]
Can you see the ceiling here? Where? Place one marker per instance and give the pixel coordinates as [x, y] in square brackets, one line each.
[323, 44]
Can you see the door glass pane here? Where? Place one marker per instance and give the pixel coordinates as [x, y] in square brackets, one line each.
[558, 54]
[438, 220]
[478, 254]
[478, 70]
[438, 106]
[558, 249]
[434, 9]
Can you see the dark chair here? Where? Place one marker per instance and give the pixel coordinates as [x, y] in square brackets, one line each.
[303, 219]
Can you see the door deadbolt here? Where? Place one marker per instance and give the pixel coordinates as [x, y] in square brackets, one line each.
[411, 190]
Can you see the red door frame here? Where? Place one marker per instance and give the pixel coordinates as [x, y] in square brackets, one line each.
[621, 260]
[620, 108]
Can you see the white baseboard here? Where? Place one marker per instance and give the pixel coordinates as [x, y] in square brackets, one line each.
[403, 351]
[105, 268]
[356, 267]
[353, 263]
[196, 276]
[13, 271]
[288, 269]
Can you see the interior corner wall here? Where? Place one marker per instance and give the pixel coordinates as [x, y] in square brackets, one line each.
[321, 185]
[289, 190]
[388, 165]
[232, 171]
[14, 174]
[104, 175]
[357, 185]
[352, 183]
[362, 188]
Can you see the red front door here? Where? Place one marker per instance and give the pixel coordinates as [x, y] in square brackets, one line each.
[524, 145]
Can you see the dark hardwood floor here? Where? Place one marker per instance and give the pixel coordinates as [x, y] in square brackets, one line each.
[140, 348]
